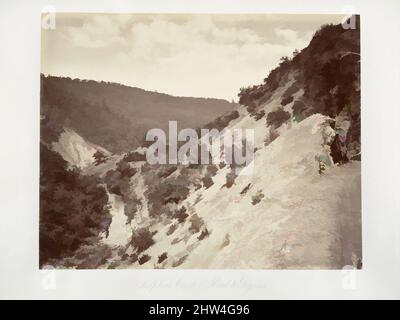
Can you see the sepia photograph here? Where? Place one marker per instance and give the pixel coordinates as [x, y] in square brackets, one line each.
[199, 158]
[200, 141]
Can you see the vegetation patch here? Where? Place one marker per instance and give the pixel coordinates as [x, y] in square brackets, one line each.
[257, 197]
[277, 118]
[143, 259]
[142, 239]
[73, 208]
[286, 100]
[162, 257]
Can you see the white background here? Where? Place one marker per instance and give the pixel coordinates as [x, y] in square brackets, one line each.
[20, 27]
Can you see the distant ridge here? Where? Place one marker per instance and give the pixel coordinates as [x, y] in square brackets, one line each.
[117, 116]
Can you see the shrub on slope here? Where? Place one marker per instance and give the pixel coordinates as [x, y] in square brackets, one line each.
[73, 208]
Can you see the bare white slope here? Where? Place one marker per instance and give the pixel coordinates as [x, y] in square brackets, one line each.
[304, 219]
[76, 150]
[301, 222]
[119, 232]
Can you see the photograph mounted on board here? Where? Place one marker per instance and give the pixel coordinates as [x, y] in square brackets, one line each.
[200, 141]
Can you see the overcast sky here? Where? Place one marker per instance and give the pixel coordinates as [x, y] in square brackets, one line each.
[183, 55]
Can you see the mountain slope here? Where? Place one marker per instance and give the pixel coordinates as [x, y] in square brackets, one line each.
[115, 116]
[297, 222]
[299, 209]
[76, 150]
[303, 219]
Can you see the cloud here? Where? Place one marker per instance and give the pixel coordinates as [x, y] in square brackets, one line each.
[196, 55]
[293, 37]
[99, 31]
[203, 59]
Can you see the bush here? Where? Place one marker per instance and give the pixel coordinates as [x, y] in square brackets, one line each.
[298, 107]
[142, 239]
[203, 234]
[134, 157]
[230, 179]
[207, 181]
[286, 100]
[179, 262]
[257, 197]
[259, 115]
[212, 169]
[277, 118]
[222, 122]
[181, 214]
[291, 90]
[251, 108]
[244, 191]
[166, 171]
[143, 259]
[99, 158]
[118, 180]
[172, 229]
[272, 135]
[170, 190]
[162, 257]
[125, 169]
[133, 258]
[196, 224]
[132, 202]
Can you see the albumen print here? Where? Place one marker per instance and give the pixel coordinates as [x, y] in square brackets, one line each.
[200, 141]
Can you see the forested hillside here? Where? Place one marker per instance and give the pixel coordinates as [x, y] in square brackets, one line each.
[115, 116]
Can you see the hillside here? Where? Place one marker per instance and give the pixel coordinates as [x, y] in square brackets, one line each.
[115, 116]
[301, 207]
